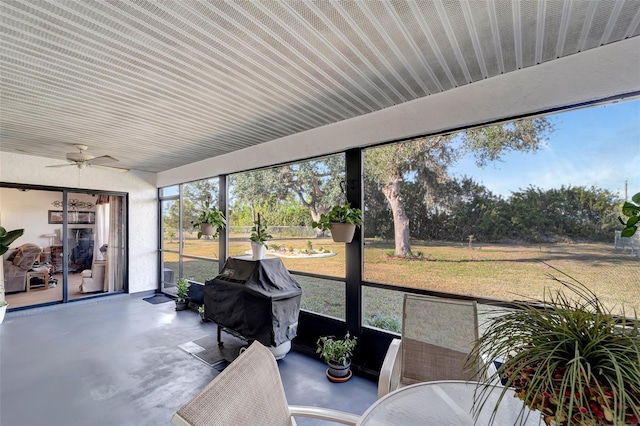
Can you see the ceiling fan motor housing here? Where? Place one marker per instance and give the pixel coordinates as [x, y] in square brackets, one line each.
[79, 156]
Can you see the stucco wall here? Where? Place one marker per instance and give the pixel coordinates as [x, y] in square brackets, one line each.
[143, 216]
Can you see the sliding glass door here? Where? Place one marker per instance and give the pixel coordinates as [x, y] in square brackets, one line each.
[73, 246]
[95, 244]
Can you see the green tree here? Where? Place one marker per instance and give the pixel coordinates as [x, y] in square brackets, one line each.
[315, 184]
[568, 212]
[252, 189]
[427, 160]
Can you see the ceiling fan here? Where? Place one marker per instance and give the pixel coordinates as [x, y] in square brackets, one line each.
[82, 160]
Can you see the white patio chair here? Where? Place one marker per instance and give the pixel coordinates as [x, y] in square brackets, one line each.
[250, 392]
[437, 336]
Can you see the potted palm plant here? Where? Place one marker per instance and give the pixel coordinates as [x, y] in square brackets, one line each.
[566, 356]
[182, 295]
[6, 239]
[259, 237]
[342, 221]
[210, 221]
[337, 354]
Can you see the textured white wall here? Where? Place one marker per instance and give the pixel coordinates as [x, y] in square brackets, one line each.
[143, 204]
[592, 75]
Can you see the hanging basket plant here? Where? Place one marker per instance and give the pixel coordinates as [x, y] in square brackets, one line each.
[210, 221]
[341, 221]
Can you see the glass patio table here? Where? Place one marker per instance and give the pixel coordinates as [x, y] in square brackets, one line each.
[445, 403]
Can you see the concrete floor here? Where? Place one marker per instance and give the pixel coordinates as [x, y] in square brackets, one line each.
[117, 362]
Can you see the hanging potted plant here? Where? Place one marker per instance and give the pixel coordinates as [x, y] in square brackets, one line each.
[6, 239]
[337, 354]
[210, 221]
[259, 237]
[342, 221]
[631, 209]
[566, 356]
[182, 295]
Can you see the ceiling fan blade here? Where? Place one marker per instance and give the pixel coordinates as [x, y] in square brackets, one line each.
[63, 165]
[102, 159]
[118, 169]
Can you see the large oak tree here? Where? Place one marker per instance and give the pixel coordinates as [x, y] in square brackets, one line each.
[428, 159]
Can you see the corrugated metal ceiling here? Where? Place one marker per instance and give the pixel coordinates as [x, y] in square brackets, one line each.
[159, 84]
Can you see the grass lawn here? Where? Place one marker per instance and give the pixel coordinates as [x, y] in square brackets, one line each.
[496, 271]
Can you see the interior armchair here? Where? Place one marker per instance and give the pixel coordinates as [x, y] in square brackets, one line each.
[17, 265]
[93, 279]
[250, 392]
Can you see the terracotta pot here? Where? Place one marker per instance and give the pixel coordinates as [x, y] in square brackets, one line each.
[258, 251]
[342, 232]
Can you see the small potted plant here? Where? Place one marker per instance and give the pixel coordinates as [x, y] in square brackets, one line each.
[566, 356]
[6, 239]
[210, 221]
[182, 296]
[342, 221]
[259, 237]
[337, 354]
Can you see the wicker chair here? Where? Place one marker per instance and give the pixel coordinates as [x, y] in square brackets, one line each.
[437, 336]
[250, 392]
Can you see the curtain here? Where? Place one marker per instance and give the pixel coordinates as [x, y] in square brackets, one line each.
[115, 249]
[101, 236]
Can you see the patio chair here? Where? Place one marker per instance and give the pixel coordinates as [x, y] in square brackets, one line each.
[437, 337]
[250, 392]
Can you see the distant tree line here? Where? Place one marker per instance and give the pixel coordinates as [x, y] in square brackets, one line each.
[458, 208]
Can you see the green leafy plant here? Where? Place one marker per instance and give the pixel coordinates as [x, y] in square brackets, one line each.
[259, 234]
[339, 214]
[182, 294]
[8, 237]
[212, 216]
[336, 351]
[385, 322]
[566, 356]
[201, 312]
[632, 211]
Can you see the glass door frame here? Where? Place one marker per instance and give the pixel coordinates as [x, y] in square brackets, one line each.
[64, 240]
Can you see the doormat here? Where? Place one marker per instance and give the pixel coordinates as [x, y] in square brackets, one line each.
[158, 298]
[206, 349]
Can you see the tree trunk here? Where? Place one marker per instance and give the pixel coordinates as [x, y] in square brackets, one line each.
[315, 216]
[391, 192]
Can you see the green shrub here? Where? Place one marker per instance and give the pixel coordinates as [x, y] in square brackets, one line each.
[385, 322]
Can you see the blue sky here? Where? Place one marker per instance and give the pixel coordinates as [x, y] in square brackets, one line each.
[597, 146]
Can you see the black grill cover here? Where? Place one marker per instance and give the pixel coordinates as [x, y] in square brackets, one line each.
[257, 299]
